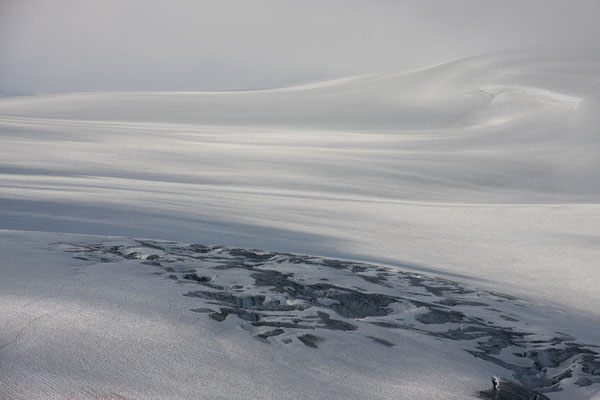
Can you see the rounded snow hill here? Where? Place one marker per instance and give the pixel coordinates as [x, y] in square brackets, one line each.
[483, 169]
[493, 89]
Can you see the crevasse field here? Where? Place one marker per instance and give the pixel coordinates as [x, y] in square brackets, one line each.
[414, 235]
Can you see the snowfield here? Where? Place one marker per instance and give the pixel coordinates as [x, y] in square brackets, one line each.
[465, 199]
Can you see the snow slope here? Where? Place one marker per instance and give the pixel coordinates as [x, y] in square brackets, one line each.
[482, 170]
[115, 318]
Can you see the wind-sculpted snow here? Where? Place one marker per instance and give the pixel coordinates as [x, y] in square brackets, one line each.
[283, 297]
[481, 172]
[484, 169]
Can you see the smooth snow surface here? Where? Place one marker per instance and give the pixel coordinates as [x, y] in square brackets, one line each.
[482, 171]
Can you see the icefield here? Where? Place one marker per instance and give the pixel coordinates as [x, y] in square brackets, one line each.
[413, 234]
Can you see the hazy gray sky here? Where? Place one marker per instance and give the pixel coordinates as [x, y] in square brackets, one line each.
[80, 45]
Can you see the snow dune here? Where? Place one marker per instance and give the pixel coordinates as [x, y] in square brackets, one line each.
[484, 168]
[483, 171]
